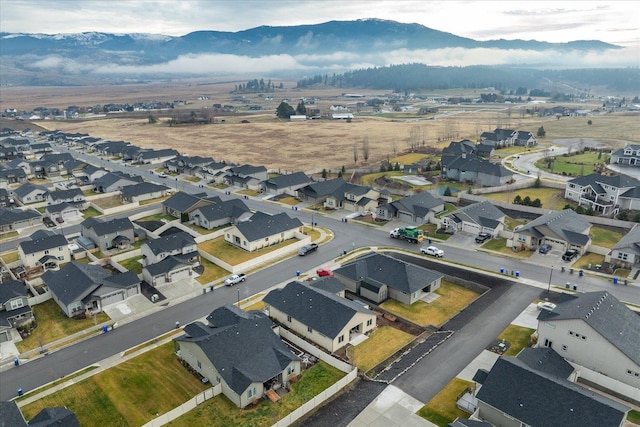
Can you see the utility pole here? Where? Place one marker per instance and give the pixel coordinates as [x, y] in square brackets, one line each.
[550, 275]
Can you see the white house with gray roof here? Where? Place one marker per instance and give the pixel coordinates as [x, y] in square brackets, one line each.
[263, 230]
[417, 209]
[241, 352]
[109, 234]
[561, 229]
[143, 191]
[65, 211]
[627, 251]
[219, 213]
[285, 184]
[606, 195]
[30, 193]
[628, 155]
[319, 316]
[476, 218]
[44, 249]
[169, 270]
[598, 333]
[181, 245]
[13, 219]
[378, 277]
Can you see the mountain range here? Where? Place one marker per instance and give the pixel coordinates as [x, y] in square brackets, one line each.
[334, 46]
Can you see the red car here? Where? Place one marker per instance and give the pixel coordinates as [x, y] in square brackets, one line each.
[60, 220]
[324, 272]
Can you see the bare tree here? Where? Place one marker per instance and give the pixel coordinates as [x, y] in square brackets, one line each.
[365, 148]
[355, 152]
[414, 137]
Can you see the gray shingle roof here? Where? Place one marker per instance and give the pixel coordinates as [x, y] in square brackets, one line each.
[103, 228]
[630, 242]
[328, 284]
[55, 416]
[65, 194]
[284, 181]
[10, 415]
[12, 289]
[418, 204]
[396, 274]
[9, 215]
[596, 180]
[322, 188]
[545, 359]
[182, 201]
[483, 213]
[262, 225]
[27, 188]
[171, 242]
[320, 310]
[133, 190]
[60, 207]
[113, 177]
[232, 208]
[166, 152]
[41, 244]
[245, 350]
[606, 315]
[565, 224]
[538, 399]
[164, 266]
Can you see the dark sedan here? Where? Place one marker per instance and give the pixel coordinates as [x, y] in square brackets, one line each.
[544, 248]
[307, 249]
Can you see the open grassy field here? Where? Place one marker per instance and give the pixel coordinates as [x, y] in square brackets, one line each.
[453, 298]
[578, 165]
[605, 237]
[221, 412]
[127, 394]
[233, 255]
[54, 325]
[551, 198]
[381, 344]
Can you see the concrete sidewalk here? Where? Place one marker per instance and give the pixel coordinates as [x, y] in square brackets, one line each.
[392, 408]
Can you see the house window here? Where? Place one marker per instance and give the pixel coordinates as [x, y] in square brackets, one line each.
[244, 243]
[341, 338]
[251, 392]
[17, 303]
[266, 239]
[622, 256]
[289, 319]
[309, 329]
[522, 238]
[291, 369]
[46, 252]
[60, 258]
[564, 348]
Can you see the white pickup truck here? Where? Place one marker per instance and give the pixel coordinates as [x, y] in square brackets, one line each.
[235, 279]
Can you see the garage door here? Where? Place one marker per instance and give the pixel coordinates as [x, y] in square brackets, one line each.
[113, 298]
[4, 336]
[471, 228]
[405, 217]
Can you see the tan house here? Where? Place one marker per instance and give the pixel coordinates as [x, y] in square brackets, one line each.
[319, 316]
[263, 230]
[44, 249]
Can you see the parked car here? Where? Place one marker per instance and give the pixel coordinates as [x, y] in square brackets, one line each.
[546, 305]
[433, 251]
[59, 220]
[570, 255]
[47, 221]
[482, 237]
[235, 279]
[544, 248]
[307, 249]
[162, 175]
[324, 272]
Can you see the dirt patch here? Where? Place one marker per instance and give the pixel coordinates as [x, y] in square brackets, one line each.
[392, 184]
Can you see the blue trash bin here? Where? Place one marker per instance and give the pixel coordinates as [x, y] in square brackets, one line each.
[105, 328]
[16, 362]
[211, 288]
[298, 273]
[430, 241]
[580, 273]
[517, 274]
[20, 393]
[615, 280]
[501, 270]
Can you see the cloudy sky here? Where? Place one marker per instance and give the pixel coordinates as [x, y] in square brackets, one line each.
[616, 22]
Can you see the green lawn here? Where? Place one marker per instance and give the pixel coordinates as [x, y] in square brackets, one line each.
[381, 344]
[634, 416]
[211, 272]
[453, 299]
[132, 264]
[232, 254]
[500, 245]
[248, 192]
[369, 178]
[9, 235]
[448, 208]
[53, 325]
[91, 212]
[605, 237]
[518, 337]
[158, 217]
[589, 258]
[127, 394]
[201, 230]
[292, 201]
[192, 179]
[442, 409]
[578, 165]
[430, 231]
[221, 412]
[9, 257]
[551, 198]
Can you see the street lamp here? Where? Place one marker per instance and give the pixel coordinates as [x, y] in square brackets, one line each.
[550, 275]
[238, 297]
[311, 222]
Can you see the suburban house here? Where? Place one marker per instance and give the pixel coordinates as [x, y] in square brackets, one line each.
[626, 252]
[598, 333]
[629, 155]
[115, 233]
[30, 193]
[181, 204]
[241, 352]
[499, 138]
[524, 138]
[317, 192]
[156, 156]
[285, 184]
[187, 164]
[85, 289]
[476, 218]
[143, 191]
[355, 198]
[44, 249]
[485, 150]
[114, 181]
[14, 307]
[470, 168]
[72, 196]
[46, 169]
[246, 176]
[319, 316]
[417, 209]
[14, 219]
[219, 213]
[42, 148]
[12, 176]
[215, 171]
[181, 245]
[20, 163]
[5, 198]
[561, 229]
[64, 211]
[536, 392]
[263, 230]
[169, 270]
[92, 173]
[378, 277]
[604, 194]
[48, 417]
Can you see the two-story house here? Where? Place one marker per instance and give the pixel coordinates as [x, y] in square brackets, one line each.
[606, 195]
[31, 193]
[44, 249]
[115, 233]
[628, 155]
[181, 245]
[626, 252]
[14, 307]
[246, 176]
